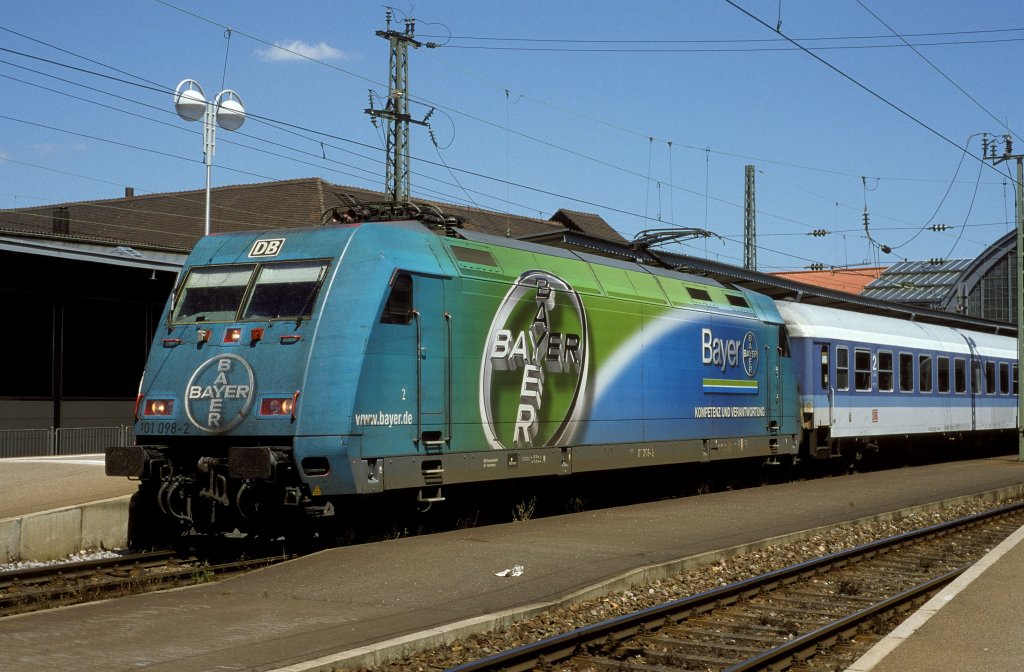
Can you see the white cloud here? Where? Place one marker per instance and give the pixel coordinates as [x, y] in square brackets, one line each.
[297, 50]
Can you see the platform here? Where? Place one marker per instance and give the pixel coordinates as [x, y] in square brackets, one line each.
[34, 484]
[355, 606]
[975, 624]
[52, 507]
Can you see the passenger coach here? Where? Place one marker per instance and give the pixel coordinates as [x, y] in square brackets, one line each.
[865, 379]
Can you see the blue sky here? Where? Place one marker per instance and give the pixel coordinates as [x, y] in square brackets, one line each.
[645, 113]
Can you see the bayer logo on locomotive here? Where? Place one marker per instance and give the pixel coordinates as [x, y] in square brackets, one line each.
[534, 367]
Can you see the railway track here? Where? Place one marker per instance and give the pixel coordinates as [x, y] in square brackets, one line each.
[38, 588]
[820, 614]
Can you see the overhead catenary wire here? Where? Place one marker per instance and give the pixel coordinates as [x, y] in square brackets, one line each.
[706, 196]
[934, 67]
[672, 187]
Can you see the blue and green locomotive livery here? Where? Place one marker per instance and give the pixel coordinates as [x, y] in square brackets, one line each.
[298, 369]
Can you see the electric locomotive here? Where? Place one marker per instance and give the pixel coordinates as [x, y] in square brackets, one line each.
[298, 370]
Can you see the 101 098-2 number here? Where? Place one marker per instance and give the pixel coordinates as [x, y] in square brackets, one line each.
[149, 427]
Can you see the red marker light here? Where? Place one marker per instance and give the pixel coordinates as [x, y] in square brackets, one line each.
[256, 335]
[203, 335]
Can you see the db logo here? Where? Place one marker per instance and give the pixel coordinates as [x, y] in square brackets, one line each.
[269, 247]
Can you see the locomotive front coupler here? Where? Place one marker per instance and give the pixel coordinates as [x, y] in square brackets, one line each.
[217, 486]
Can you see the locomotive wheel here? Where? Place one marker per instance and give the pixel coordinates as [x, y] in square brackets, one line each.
[148, 527]
[143, 520]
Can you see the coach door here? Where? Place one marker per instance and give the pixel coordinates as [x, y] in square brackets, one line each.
[976, 380]
[433, 363]
[825, 389]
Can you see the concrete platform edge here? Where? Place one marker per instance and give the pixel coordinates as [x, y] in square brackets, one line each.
[389, 650]
[912, 624]
[54, 534]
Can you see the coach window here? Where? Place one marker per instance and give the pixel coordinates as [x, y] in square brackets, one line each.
[842, 368]
[1015, 379]
[943, 370]
[1004, 378]
[906, 372]
[924, 373]
[824, 366]
[885, 371]
[975, 377]
[862, 369]
[398, 309]
[990, 377]
[959, 375]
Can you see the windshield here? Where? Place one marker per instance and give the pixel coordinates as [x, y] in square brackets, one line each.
[280, 290]
[212, 293]
[285, 290]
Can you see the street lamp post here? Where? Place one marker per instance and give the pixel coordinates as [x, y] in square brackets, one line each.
[226, 110]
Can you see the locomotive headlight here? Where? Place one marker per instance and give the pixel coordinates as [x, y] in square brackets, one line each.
[158, 407]
[278, 406]
[233, 335]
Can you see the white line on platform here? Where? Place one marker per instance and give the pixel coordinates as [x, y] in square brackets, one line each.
[59, 459]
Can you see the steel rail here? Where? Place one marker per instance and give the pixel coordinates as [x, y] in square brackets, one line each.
[44, 571]
[562, 646]
[805, 646]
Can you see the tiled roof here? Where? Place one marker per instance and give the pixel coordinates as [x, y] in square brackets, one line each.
[587, 223]
[176, 220]
[849, 280]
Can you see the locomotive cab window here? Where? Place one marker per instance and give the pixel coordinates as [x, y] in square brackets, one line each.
[398, 308]
[884, 371]
[285, 290]
[842, 367]
[862, 369]
[211, 293]
[906, 372]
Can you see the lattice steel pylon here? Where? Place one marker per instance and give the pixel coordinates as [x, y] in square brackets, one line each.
[396, 109]
[749, 223]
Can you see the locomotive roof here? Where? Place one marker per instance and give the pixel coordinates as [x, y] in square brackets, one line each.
[770, 285]
[589, 256]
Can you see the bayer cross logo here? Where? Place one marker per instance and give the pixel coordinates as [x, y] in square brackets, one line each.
[534, 368]
[220, 393]
[750, 354]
